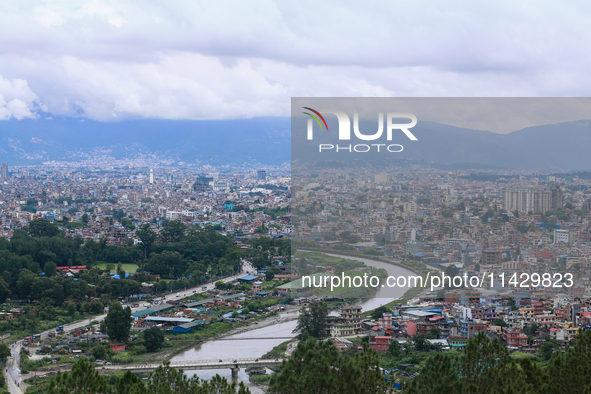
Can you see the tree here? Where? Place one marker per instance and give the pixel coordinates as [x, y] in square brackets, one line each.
[173, 231]
[85, 218]
[571, 370]
[4, 352]
[438, 376]
[147, 236]
[167, 380]
[499, 322]
[531, 330]
[550, 345]
[42, 228]
[486, 365]
[270, 274]
[118, 322]
[317, 367]
[395, 350]
[153, 338]
[379, 312]
[50, 269]
[312, 321]
[83, 379]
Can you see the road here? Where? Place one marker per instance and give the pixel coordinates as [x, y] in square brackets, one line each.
[12, 371]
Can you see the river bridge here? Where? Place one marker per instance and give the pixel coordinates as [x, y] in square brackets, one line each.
[233, 365]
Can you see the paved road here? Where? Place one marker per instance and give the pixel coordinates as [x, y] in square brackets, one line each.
[12, 371]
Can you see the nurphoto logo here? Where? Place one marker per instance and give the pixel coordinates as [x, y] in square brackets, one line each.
[344, 131]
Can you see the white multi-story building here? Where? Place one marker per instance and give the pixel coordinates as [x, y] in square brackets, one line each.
[532, 198]
[563, 236]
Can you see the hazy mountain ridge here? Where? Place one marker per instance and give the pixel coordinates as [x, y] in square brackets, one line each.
[563, 146]
[262, 140]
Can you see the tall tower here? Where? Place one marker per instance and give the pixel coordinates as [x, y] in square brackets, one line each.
[4, 171]
[151, 176]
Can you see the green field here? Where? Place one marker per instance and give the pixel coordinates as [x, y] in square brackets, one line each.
[129, 268]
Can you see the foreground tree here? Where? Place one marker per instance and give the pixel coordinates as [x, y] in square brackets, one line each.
[167, 380]
[486, 366]
[570, 372]
[118, 322]
[84, 379]
[439, 376]
[317, 367]
[312, 321]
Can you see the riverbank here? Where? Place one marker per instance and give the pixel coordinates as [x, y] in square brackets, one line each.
[411, 267]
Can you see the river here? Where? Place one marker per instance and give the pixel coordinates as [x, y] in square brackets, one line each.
[249, 347]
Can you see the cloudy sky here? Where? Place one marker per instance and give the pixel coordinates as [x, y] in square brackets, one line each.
[113, 60]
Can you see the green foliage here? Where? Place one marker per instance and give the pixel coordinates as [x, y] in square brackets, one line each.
[153, 338]
[532, 329]
[84, 379]
[118, 322]
[549, 347]
[317, 367]
[42, 228]
[379, 312]
[312, 321]
[4, 352]
[173, 231]
[499, 322]
[270, 274]
[439, 376]
[570, 372]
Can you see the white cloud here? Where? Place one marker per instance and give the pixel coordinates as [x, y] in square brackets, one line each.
[109, 59]
[17, 100]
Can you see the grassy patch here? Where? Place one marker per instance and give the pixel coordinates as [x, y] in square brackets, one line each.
[261, 379]
[277, 351]
[127, 267]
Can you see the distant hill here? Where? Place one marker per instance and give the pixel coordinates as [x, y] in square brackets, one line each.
[563, 146]
[236, 142]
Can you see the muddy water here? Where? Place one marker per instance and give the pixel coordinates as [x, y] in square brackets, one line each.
[252, 344]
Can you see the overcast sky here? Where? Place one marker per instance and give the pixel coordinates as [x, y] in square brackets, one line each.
[113, 60]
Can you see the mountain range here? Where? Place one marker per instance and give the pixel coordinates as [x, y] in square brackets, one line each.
[232, 142]
[562, 146]
[267, 141]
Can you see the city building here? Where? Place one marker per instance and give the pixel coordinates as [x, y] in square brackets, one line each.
[382, 177]
[532, 198]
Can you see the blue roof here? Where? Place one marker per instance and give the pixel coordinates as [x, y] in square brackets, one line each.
[248, 277]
